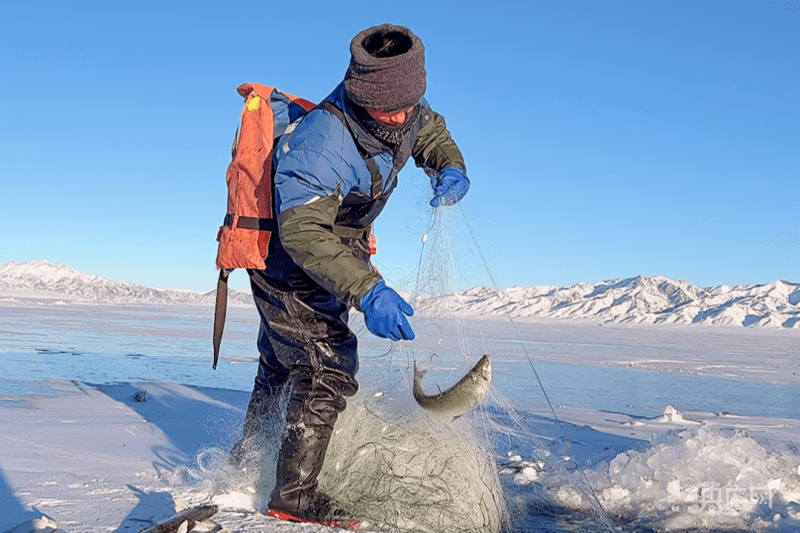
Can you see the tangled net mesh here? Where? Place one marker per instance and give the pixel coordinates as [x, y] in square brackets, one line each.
[417, 474]
[213, 472]
[405, 470]
[401, 469]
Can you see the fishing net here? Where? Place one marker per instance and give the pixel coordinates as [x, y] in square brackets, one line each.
[402, 469]
[413, 474]
[252, 473]
[495, 468]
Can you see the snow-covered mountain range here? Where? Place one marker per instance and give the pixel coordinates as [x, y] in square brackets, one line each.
[640, 300]
[44, 279]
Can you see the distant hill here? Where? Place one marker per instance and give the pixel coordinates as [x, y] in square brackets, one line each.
[640, 300]
[43, 279]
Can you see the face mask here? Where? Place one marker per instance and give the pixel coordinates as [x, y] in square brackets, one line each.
[391, 135]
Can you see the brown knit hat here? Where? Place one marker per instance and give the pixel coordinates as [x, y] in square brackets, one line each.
[387, 68]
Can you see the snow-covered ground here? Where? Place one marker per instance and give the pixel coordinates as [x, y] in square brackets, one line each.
[678, 403]
[675, 427]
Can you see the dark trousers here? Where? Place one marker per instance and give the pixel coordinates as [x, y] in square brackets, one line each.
[303, 332]
[304, 344]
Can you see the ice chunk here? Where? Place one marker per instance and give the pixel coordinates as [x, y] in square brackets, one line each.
[676, 475]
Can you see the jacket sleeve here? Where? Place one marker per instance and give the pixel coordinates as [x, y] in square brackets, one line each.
[307, 234]
[435, 149]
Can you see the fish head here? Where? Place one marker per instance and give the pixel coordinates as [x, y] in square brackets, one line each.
[484, 368]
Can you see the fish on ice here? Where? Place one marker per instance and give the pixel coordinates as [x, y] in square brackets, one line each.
[183, 521]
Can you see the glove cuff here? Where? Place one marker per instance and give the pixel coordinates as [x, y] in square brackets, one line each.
[371, 295]
[455, 172]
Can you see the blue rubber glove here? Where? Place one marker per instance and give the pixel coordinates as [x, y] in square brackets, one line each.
[384, 313]
[449, 187]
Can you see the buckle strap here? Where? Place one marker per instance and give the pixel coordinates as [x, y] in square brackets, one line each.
[271, 224]
[261, 224]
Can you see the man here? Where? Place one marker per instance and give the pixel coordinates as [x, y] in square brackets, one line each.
[335, 168]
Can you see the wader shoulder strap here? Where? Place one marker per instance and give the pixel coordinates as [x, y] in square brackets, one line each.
[377, 181]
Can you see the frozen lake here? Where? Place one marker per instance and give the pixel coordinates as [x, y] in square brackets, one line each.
[632, 369]
[610, 385]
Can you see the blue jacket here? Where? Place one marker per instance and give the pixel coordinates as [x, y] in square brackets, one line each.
[332, 179]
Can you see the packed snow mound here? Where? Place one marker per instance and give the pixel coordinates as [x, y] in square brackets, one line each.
[43, 279]
[640, 300]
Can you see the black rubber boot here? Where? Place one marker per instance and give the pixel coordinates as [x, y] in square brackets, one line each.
[313, 408]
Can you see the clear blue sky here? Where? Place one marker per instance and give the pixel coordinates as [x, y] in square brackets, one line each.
[603, 139]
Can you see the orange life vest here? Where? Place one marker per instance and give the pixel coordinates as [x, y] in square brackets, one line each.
[244, 237]
[250, 220]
